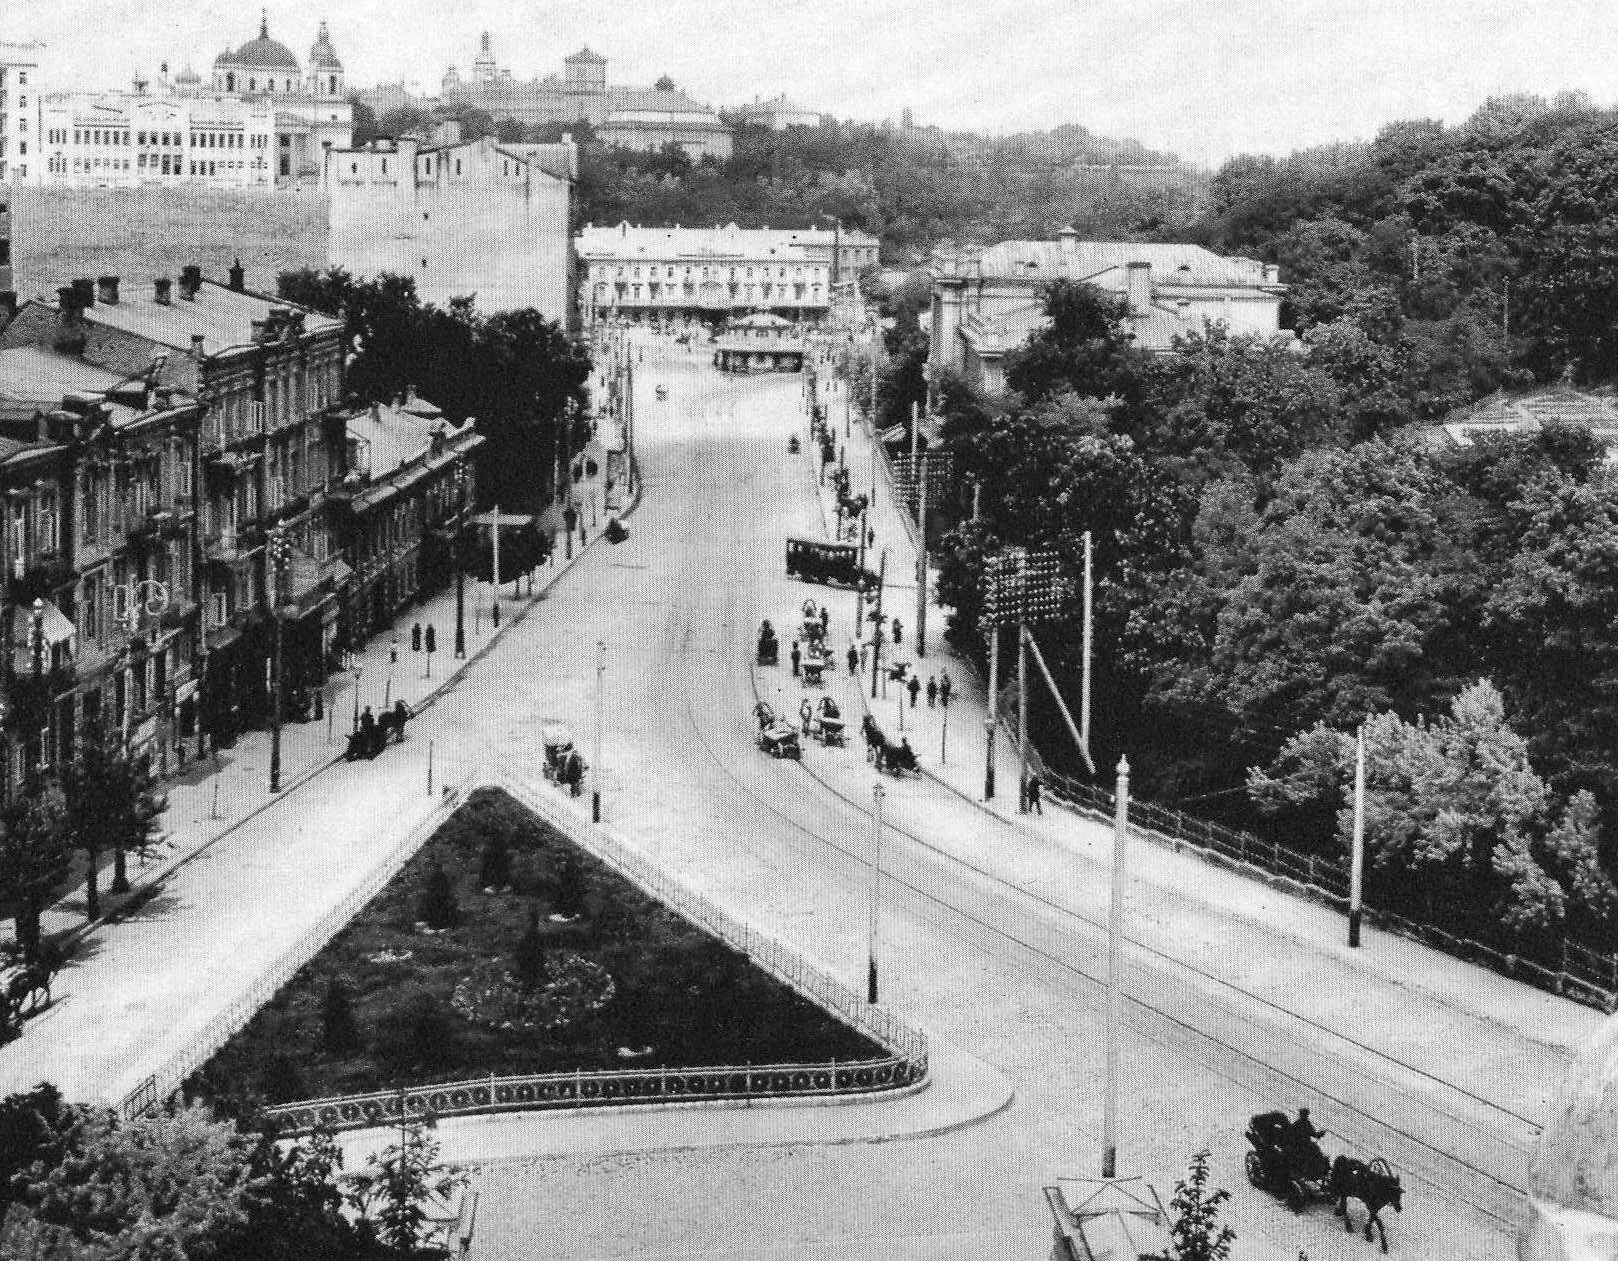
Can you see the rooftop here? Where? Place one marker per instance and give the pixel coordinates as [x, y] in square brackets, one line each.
[262, 53]
[222, 316]
[730, 241]
[1106, 263]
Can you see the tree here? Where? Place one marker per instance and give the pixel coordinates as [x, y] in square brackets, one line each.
[112, 806]
[1457, 822]
[528, 959]
[394, 1191]
[34, 853]
[494, 867]
[159, 1185]
[438, 908]
[664, 83]
[339, 1033]
[1196, 1233]
[1085, 348]
[31, 1127]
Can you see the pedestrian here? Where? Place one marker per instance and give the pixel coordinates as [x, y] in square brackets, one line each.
[932, 692]
[915, 689]
[804, 712]
[853, 659]
[797, 658]
[367, 721]
[898, 631]
[870, 536]
[944, 688]
[1033, 796]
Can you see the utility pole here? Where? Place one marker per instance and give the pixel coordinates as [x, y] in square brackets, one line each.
[277, 559]
[876, 634]
[1115, 934]
[877, 793]
[1022, 717]
[921, 560]
[1356, 871]
[595, 768]
[1089, 629]
[495, 528]
[992, 721]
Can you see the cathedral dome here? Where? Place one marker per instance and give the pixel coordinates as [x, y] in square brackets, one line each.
[323, 56]
[262, 53]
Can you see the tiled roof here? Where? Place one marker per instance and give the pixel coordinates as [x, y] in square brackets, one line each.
[1529, 413]
[223, 317]
[35, 374]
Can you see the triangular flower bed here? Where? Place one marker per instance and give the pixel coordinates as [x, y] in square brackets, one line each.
[501, 949]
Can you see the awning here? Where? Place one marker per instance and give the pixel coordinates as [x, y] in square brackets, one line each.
[893, 433]
[54, 624]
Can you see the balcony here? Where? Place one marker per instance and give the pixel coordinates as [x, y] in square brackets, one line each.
[38, 576]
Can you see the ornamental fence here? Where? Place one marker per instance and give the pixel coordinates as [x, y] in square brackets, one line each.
[547, 1091]
[1581, 973]
[904, 1065]
[167, 1079]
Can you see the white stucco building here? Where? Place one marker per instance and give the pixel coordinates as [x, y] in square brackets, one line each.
[468, 219]
[687, 275]
[19, 113]
[261, 120]
[987, 304]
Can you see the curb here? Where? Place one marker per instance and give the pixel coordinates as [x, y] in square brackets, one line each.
[150, 882]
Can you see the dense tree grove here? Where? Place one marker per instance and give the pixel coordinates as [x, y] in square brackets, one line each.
[517, 372]
[1278, 562]
[79, 1184]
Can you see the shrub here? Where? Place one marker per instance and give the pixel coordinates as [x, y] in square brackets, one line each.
[494, 869]
[339, 1033]
[438, 908]
[528, 960]
[568, 882]
[418, 1032]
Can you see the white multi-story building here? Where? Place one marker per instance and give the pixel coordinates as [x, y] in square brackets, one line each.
[688, 275]
[122, 139]
[778, 113]
[19, 113]
[260, 121]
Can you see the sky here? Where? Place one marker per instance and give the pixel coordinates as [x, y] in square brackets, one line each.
[1201, 78]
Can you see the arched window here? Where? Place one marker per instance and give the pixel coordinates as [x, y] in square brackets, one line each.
[333, 88]
[252, 85]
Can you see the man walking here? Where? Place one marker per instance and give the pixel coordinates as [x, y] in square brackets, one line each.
[853, 659]
[915, 689]
[944, 687]
[932, 692]
[797, 658]
[1033, 796]
[898, 631]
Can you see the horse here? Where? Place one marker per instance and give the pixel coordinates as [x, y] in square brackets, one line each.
[875, 741]
[1374, 1185]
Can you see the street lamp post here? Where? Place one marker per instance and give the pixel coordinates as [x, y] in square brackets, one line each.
[277, 554]
[1115, 936]
[595, 767]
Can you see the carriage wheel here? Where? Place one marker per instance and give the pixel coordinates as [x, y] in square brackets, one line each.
[1297, 1195]
[1382, 1167]
[1255, 1170]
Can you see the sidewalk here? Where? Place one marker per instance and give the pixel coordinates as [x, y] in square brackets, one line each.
[218, 805]
[1198, 913]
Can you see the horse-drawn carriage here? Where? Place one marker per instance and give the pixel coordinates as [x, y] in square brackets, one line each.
[564, 766]
[815, 664]
[776, 736]
[823, 721]
[769, 648]
[373, 734]
[884, 754]
[1286, 1161]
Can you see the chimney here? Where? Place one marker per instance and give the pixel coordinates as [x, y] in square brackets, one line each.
[1068, 239]
[70, 336]
[86, 289]
[162, 289]
[190, 281]
[1272, 274]
[1140, 288]
[258, 331]
[108, 287]
[196, 345]
[238, 277]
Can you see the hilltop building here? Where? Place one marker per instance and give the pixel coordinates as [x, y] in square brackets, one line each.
[705, 275]
[987, 304]
[630, 117]
[19, 113]
[778, 113]
[475, 218]
[262, 120]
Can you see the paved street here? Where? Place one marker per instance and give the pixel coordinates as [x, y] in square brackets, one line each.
[1242, 999]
